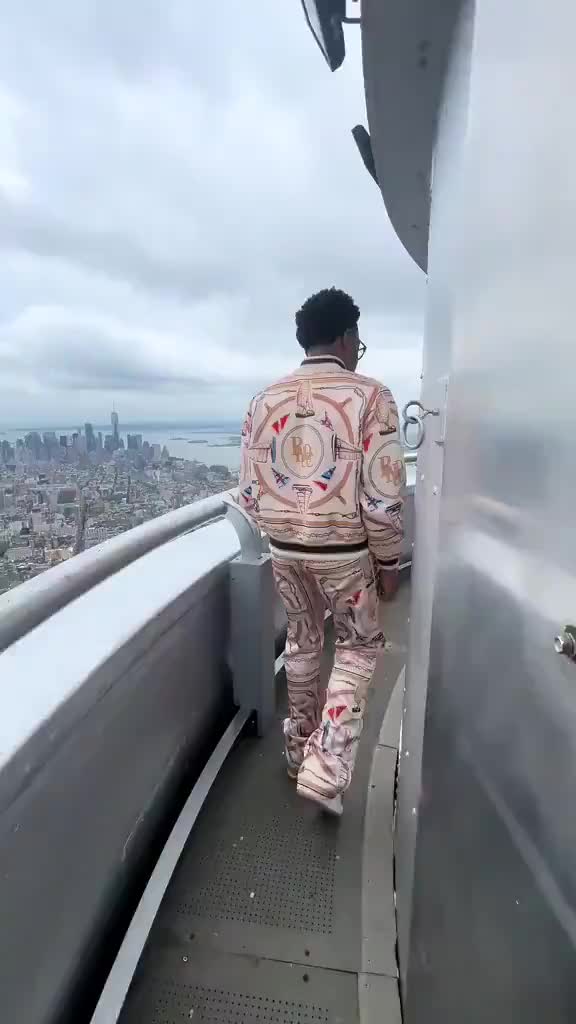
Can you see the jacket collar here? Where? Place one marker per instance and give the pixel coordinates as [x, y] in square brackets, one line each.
[322, 361]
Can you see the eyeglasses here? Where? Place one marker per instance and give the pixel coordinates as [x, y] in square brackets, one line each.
[352, 332]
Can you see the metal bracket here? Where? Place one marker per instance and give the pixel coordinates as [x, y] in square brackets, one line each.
[251, 541]
[441, 441]
[251, 620]
[352, 12]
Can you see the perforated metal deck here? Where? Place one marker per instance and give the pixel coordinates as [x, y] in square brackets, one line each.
[262, 919]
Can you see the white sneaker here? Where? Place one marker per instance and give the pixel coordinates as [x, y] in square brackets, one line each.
[332, 805]
[293, 750]
[292, 766]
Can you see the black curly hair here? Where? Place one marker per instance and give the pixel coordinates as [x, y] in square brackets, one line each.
[324, 317]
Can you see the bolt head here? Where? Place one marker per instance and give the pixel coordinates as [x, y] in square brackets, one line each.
[564, 644]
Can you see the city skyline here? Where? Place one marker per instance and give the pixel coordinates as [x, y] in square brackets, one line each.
[61, 492]
[38, 446]
[98, 436]
[165, 424]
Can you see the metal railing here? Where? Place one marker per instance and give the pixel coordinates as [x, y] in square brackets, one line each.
[25, 607]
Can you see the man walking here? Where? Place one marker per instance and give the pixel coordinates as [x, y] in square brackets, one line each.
[322, 474]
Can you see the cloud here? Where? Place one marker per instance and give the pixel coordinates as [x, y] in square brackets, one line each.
[13, 183]
[70, 349]
[110, 253]
[172, 187]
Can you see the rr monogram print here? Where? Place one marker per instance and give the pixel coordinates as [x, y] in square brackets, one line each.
[391, 471]
[302, 452]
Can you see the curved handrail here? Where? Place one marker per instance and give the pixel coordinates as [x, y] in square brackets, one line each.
[25, 607]
[30, 604]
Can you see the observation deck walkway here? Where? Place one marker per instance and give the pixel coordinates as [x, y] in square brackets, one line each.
[138, 808]
[277, 912]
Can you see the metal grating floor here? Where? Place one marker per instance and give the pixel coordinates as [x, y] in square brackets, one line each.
[262, 919]
[257, 877]
[237, 990]
[268, 875]
[224, 1007]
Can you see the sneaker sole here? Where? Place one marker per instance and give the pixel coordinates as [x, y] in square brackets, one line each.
[332, 805]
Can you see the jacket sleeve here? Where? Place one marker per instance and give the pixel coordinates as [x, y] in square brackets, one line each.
[382, 480]
[246, 496]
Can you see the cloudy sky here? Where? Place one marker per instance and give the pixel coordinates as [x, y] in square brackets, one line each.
[172, 187]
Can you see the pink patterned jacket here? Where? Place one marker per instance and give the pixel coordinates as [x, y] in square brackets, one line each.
[322, 468]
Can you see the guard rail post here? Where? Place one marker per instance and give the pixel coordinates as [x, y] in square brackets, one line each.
[252, 621]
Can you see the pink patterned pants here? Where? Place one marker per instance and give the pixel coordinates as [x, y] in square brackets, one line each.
[322, 737]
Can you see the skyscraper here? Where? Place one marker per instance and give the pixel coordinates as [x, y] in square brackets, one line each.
[50, 443]
[6, 451]
[90, 437]
[115, 430]
[33, 443]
